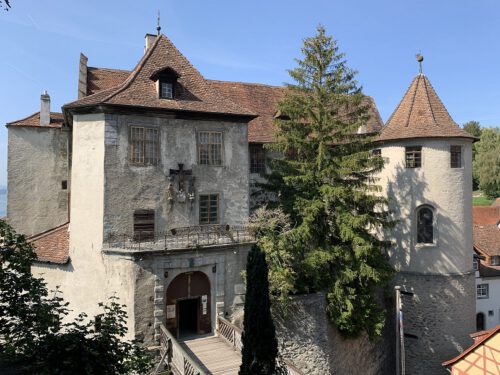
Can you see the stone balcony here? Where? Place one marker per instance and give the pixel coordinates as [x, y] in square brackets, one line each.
[194, 237]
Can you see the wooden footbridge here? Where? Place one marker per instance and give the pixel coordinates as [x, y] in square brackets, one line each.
[218, 354]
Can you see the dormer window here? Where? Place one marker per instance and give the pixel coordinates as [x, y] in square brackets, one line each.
[166, 82]
[166, 90]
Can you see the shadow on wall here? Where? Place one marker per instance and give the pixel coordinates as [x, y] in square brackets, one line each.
[442, 311]
[407, 191]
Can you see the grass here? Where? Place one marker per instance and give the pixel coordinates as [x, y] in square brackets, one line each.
[479, 199]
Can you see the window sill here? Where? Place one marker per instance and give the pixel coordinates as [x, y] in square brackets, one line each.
[426, 245]
[483, 297]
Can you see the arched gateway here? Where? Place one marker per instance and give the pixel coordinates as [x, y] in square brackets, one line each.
[188, 304]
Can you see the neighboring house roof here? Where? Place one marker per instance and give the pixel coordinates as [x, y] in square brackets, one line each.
[487, 239]
[421, 114]
[56, 121]
[99, 79]
[193, 92]
[480, 339]
[485, 270]
[52, 246]
[486, 215]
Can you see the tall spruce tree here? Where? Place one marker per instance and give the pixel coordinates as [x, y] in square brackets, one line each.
[325, 183]
[260, 347]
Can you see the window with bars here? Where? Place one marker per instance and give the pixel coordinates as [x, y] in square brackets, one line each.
[482, 290]
[257, 158]
[144, 225]
[144, 145]
[456, 156]
[210, 148]
[209, 209]
[425, 225]
[414, 157]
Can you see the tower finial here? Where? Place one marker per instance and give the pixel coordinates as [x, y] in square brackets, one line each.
[158, 27]
[420, 58]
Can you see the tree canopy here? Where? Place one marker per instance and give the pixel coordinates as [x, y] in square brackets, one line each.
[34, 335]
[486, 165]
[325, 183]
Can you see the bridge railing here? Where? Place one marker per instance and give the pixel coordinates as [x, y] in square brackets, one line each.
[175, 357]
[232, 334]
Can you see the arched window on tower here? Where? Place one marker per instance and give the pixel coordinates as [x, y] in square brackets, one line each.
[425, 225]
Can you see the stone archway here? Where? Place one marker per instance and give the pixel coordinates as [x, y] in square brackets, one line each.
[189, 304]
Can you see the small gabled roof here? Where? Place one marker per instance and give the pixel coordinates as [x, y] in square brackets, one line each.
[487, 239]
[479, 339]
[421, 114]
[486, 215]
[52, 246]
[193, 92]
[56, 121]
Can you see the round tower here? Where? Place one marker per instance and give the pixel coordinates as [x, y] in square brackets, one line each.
[428, 179]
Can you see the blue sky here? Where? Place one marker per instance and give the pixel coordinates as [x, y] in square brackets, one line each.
[256, 41]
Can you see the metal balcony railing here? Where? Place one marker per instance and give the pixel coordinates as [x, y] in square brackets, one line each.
[181, 238]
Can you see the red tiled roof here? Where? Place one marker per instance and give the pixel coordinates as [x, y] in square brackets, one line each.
[99, 79]
[421, 114]
[487, 239]
[260, 99]
[263, 99]
[478, 340]
[53, 245]
[56, 121]
[193, 92]
[486, 215]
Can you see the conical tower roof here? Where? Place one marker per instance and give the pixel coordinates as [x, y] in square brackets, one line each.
[421, 114]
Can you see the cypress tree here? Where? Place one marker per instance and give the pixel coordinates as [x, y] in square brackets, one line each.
[325, 183]
[260, 347]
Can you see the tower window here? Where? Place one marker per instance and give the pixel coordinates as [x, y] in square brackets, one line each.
[425, 225]
[64, 184]
[456, 156]
[414, 157]
[144, 225]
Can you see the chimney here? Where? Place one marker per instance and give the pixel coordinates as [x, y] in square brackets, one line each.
[150, 39]
[82, 76]
[44, 109]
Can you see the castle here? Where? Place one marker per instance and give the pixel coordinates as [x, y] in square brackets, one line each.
[141, 188]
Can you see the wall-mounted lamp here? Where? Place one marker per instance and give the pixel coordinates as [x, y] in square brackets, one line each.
[214, 268]
[165, 274]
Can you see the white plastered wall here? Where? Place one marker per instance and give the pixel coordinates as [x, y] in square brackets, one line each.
[448, 190]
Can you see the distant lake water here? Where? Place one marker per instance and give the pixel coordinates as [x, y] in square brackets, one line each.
[3, 201]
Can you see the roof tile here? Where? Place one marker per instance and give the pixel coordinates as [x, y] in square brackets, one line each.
[421, 114]
[52, 246]
[195, 94]
[486, 215]
[56, 121]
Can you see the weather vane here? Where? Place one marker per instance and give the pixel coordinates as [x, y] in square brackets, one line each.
[420, 58]
[158, 27]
